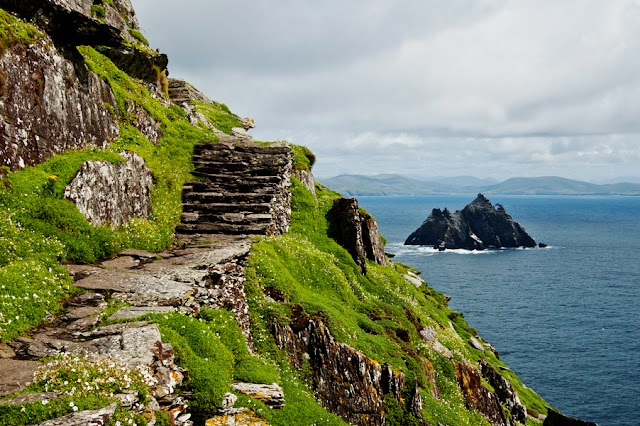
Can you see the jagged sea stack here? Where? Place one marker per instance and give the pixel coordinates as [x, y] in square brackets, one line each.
[478, 226]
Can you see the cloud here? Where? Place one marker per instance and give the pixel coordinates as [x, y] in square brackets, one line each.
[500, 86]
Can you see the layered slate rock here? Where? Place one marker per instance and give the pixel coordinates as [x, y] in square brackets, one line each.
[112, 194]
[478, 226]
[504, 391]
[346, 381]
[243, 189]
[477, 397]
[49, 101]
[356, 231]
[49, 105]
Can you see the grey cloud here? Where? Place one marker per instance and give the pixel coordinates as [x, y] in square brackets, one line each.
[495, 86]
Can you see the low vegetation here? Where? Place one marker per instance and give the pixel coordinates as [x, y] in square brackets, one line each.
[380, 314]
[14, 31]
[40, 229]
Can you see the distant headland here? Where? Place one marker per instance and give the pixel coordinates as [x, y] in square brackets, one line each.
[393, 184]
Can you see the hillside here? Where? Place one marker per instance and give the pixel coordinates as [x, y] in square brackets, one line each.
[159, 266]
[355, 185]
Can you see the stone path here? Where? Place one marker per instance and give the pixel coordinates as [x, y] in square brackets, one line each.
[198, 274]
[243, 189]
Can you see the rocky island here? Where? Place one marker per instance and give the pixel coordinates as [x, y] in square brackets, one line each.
[478, 226]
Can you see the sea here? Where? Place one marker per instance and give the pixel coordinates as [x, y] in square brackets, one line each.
[565, 318]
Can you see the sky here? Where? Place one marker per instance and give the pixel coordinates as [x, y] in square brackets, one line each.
[488, 88]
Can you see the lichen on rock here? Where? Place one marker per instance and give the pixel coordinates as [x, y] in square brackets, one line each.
[112, 194]
[51, 107]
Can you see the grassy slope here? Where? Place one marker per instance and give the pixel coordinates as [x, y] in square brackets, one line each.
[38, 230]
[373, 313]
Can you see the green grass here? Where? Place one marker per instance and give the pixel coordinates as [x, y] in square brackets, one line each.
[14, 31]
[138, 36]
[40, 228]
[303, 158]
[379, 314]
[218, 115]
[97, 11]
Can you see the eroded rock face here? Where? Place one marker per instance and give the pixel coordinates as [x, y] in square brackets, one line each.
[72, 22]
[68, 22]
[112, 194]
[504, 391]
[372, 239]
[478, 226]
[47, 107]
[357, 232]
[477, 397]
[347, 382]
[307, 179]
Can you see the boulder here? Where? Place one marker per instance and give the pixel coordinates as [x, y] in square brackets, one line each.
[272, 395]
[346, 229]
[478, 226]
[85, 418]
[307, 179]
[112, 194]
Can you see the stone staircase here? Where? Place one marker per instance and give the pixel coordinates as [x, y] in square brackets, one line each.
[242, 188]
[181, 92]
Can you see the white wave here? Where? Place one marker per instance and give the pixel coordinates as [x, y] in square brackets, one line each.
[399, 249]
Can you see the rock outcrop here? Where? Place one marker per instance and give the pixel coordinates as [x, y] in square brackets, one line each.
[49, 101]
[346, 381]
[555, 418]
[357, 232]
[47, 107]
[504, 391]
[477, 397]
[244, 189]
[478, 226]
[112, 194]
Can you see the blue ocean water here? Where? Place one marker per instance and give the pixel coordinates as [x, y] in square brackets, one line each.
[565, 318]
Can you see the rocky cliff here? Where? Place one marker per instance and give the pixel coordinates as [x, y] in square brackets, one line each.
[157, 266]
[478, 226]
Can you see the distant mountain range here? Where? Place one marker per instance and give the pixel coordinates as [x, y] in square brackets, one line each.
[391, 184]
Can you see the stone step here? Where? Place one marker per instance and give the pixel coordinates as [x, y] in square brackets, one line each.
[240, 180]
[248, 160]
[192, 197]
[227, 207]
[246, 218]
[211, 149]
[226, 187]
[237, 169]
[222, 228]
